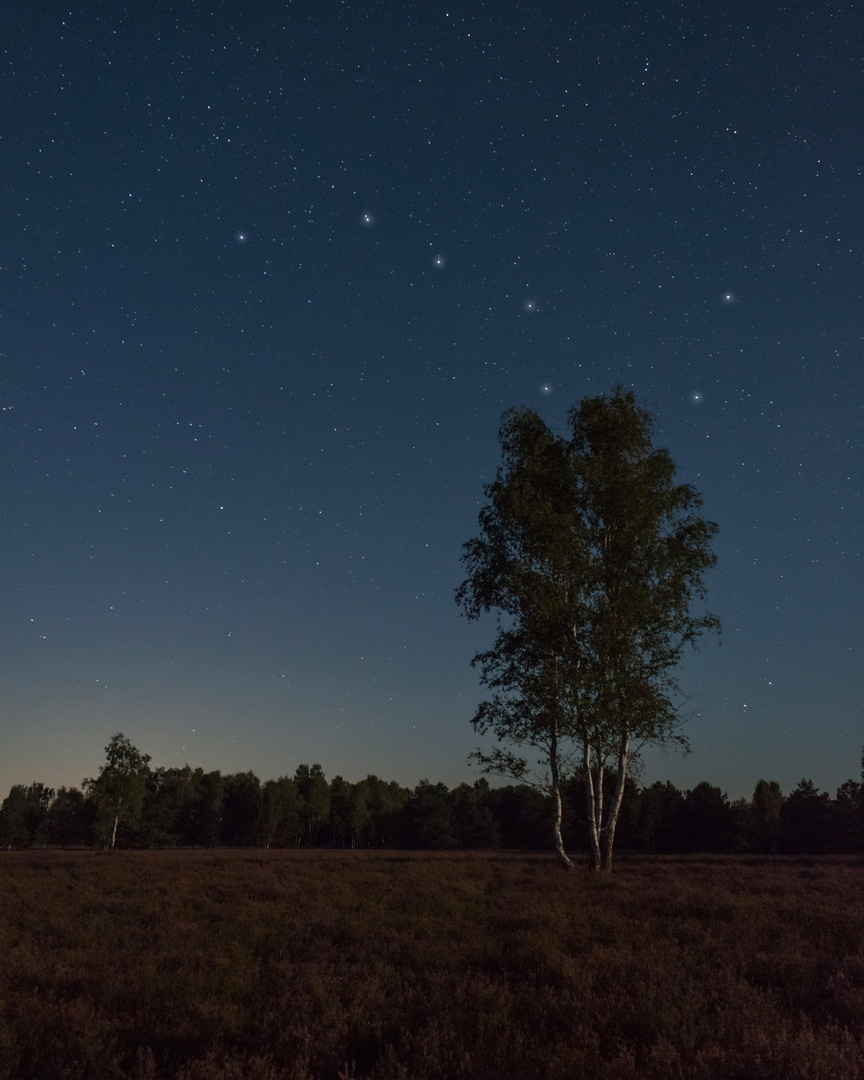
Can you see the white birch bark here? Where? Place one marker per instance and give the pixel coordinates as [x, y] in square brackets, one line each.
[556, 795]
[617, 798]
[594, 797]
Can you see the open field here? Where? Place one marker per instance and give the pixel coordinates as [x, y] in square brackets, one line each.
[222, 965]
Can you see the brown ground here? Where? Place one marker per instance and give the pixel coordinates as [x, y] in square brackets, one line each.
[204, 965]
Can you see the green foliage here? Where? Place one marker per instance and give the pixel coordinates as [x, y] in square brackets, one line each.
[709, 822]
[661, 807]
[168, 791]
[350, 815]
[385, 802]
[71, 818]
[200, 818]
[592, 556]
[850, 816]
[522, 814]
[24, 816]
[315, 793]
[430, 817]
[185, 807]
[805, 820]
[765, 817]
[474, 825]
[120, 789]
[241, 809]
[280, 820]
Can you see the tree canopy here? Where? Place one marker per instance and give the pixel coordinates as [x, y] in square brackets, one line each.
[121, 786]
[592, 555]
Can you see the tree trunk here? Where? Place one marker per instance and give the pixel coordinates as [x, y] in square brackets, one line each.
[615, 808]
[556, 795]
[114, 831]
[594, 801]
[556, 829]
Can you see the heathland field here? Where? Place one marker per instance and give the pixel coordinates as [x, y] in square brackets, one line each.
[293, 965]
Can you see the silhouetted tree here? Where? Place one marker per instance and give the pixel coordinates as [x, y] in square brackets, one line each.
[805, 821]
[522, 813]
[429, 815]
[24, 815]
[241, 809]
[280, 822]
[350, 815]
[385, 801]
[592, 556]
[199, 819]
[169, 791]
[121, 787]
[71, 819]
[765, 817]
[849, 812]
[315, 793]
[473, 823]
[661, 809]
[708, 822]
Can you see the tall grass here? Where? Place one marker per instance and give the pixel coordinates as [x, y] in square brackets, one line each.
[294, 965]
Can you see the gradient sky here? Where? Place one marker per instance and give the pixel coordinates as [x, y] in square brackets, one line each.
[270, 273]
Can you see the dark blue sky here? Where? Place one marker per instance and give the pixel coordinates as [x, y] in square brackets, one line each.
[271, 273]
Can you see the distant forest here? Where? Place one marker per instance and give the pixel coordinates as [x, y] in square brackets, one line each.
[186, 807]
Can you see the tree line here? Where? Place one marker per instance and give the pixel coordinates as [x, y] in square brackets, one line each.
[133, 805]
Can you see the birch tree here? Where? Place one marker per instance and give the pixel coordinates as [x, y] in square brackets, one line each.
[591, 555]
[121, 786]
[528, 564]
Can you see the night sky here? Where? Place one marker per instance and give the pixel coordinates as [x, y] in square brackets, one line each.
[270, 273]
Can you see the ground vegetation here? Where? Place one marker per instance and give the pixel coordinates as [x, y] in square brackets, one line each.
[314, 964]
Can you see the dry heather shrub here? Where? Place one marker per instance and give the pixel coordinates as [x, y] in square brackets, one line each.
[288, 965]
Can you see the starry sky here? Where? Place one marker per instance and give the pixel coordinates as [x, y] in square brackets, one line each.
[271, 272]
